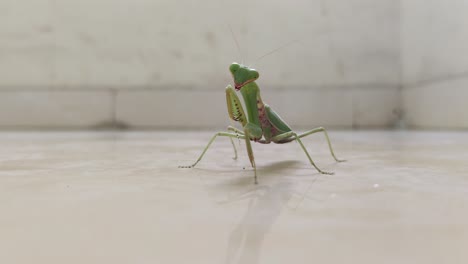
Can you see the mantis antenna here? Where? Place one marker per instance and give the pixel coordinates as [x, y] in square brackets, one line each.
[237, 43]
[275, 50]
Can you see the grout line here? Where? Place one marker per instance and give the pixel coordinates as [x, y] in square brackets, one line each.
[435, 80]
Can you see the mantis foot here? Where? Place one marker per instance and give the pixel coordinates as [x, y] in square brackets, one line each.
[326, 173]
[186, 167]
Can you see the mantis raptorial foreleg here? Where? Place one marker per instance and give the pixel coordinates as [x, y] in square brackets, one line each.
[320, 129]
[221, 134]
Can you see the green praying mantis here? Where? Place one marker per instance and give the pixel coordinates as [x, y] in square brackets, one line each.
[261, 124]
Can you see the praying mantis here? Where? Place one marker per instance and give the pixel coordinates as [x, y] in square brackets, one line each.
[261, 124]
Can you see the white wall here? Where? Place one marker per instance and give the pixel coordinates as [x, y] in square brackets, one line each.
[435, 63]
[142, 63]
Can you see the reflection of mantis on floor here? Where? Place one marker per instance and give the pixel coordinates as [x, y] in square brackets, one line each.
[261, 124]
[265, 205]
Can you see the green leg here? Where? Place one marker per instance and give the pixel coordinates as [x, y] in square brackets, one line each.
[233, 129]
[238, 132]
[222, 134]
[250, 152]
[292, 134]
[234, 147]
[321, 129]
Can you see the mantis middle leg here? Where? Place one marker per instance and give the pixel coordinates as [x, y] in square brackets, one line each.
[222, 134]
[233, 129]
[238, 132]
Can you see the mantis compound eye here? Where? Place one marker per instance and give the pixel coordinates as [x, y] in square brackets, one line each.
[255, 74]
[234, 67]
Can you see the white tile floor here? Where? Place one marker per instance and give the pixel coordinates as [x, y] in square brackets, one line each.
[118, 197]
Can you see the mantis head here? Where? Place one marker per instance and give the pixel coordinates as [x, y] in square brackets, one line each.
[242, 75]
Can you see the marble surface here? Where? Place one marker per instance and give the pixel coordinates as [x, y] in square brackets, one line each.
[118, 197]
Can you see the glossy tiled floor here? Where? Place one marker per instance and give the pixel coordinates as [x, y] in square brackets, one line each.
[102, 197]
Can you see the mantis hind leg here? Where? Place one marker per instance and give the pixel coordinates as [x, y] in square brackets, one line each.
[321, 129]
[292, 135]
[221, 134]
